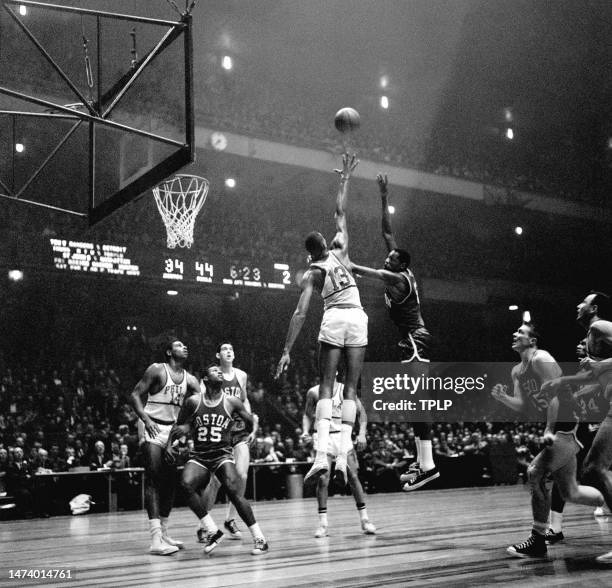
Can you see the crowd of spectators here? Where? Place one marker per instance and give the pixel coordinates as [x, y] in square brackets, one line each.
[77, 415]
[244, 106]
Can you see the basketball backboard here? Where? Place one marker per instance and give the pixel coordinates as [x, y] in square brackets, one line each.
[95, 107]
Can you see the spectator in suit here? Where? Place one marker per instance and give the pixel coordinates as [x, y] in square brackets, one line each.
[19, 483]
[100, 459]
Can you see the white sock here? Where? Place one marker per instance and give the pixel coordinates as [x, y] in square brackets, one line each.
[323, 415]
[417, 442]
[323, 519]
[363, 513]
[209, 524]
[556, 521]
[256, 531]
[155, 529]
[426, 456]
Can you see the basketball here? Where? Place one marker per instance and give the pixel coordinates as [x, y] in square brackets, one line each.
[347, 120]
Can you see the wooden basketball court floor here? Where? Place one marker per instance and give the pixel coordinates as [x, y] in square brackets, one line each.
[451, 538]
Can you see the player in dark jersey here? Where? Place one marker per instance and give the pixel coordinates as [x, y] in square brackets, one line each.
[558, 460]
[404, 306]
[344, 328]
[234, 384]
[165, 386]
[593, 314]
[208, 419]
[592, 408]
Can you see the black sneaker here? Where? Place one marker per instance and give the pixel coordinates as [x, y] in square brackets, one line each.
[535, 546]
[260, 547]
[552, 537]
[212, 540]
[413, 469]
[232, 530]
[420, 478]
[201, 535]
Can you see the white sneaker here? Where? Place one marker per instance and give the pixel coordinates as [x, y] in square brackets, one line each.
[368, 528]
[321, 532]
[174, 542]
[162, 548]
[606, 558]
[599, 512]
[319, 467]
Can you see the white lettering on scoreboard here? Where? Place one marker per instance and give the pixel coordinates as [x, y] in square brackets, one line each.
[92, 258]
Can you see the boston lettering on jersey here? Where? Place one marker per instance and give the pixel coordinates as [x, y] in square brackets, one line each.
[212, 427]
[232, 388]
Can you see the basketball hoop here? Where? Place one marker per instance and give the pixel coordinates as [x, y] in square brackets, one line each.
[179, 199]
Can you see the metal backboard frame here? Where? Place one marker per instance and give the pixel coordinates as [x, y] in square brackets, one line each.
[95, 112]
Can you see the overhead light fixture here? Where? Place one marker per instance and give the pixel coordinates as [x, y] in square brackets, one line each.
[227, 62]
[15, 275]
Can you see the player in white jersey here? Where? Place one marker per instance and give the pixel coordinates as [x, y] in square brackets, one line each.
[332, 450]
[165, 386]
[234, 384]
[344, 328]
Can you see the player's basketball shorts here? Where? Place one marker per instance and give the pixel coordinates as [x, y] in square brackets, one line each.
[559, 454]
[416, 345]
[240, 437]
[160, 439]
[213, 461]
[344, 327]
[333, 446]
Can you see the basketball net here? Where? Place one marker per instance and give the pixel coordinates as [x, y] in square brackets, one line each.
[179, 199]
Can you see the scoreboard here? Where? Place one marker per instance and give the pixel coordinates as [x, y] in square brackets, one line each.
[174, 266]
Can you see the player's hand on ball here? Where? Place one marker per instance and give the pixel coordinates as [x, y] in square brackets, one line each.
[382, 183]
[283, 364]
[306, 437]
